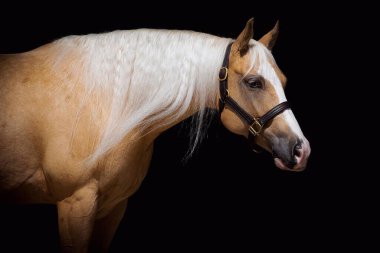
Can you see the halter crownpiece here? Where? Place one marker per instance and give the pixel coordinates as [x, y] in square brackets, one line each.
[256, 124]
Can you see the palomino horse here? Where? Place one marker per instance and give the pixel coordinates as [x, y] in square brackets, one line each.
[79, 116]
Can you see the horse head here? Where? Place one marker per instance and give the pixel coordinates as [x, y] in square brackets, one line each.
[256, 88]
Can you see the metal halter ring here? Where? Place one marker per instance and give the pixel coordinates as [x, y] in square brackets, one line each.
[225, 74]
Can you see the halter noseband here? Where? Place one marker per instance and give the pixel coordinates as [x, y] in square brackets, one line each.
[255, 124]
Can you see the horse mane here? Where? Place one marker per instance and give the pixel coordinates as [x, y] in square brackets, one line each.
[146, 79]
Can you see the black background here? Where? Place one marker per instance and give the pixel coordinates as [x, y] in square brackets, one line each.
[225, 197]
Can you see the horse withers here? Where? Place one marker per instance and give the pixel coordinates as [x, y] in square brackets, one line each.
[79, 116]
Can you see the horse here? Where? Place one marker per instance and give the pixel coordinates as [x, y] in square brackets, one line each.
[79, 116]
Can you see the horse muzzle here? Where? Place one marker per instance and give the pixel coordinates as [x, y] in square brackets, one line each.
[291, 155]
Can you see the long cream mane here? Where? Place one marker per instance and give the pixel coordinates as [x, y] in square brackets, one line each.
[145, 79]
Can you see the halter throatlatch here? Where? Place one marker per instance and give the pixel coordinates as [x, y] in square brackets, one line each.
[256, 124]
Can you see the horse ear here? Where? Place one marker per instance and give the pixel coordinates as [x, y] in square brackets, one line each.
[242, 41]
[270, 38]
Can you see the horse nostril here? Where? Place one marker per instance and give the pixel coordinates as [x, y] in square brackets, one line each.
[288, 151]
[297, 149]
[297, 152]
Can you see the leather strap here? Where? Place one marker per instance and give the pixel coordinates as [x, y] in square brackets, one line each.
[278, 109]
[223, 79]
[231, 103]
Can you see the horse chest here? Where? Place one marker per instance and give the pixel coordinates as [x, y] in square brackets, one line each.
[120, 178]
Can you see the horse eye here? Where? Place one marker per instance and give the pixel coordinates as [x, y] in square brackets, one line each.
[254, 83]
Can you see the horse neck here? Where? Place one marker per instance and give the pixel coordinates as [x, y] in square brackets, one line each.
[159, 78]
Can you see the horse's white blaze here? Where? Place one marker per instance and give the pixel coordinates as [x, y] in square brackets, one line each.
[287, 115]
[262, 59]
[293, 124]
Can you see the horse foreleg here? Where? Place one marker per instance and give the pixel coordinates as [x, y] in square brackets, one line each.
[105, 228]
[76, 215]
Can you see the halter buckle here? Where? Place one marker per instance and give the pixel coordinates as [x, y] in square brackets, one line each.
[255, 127]
[226, 94]
[223, 73]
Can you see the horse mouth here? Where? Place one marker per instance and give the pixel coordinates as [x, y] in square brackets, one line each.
[296, 163]
[281, 165]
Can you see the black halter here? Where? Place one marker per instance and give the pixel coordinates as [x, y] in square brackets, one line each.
[255, 124]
